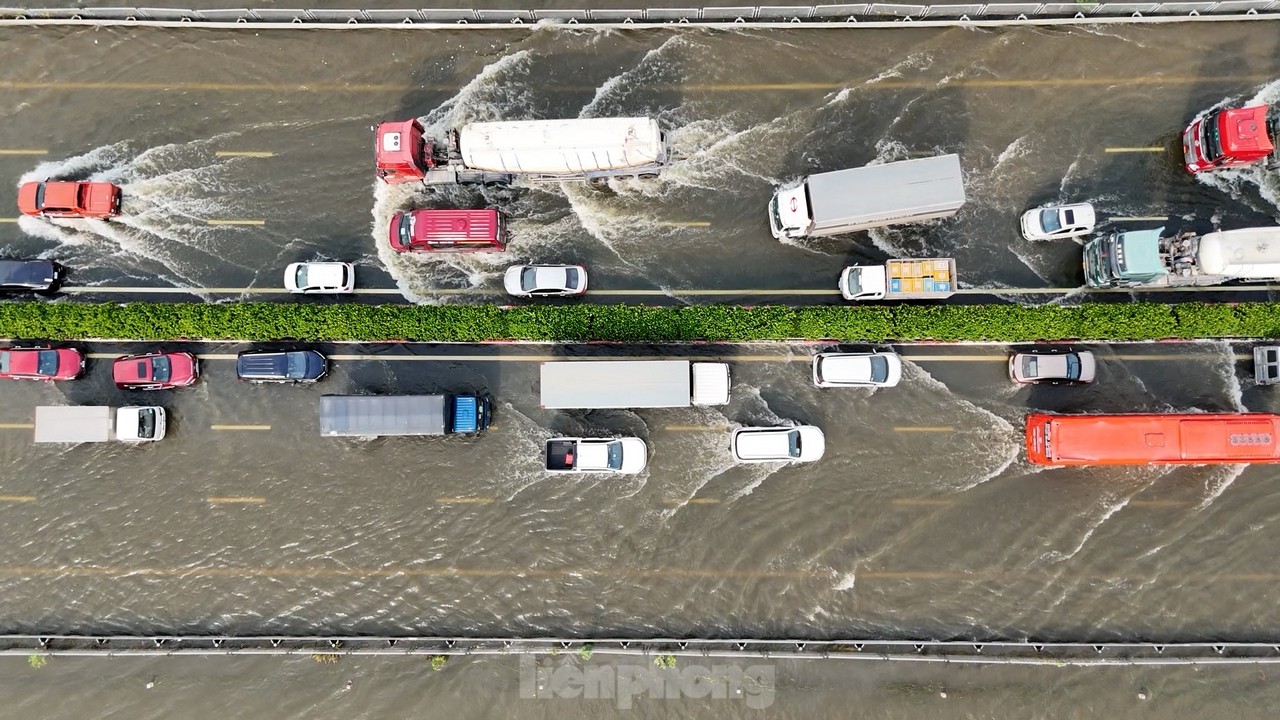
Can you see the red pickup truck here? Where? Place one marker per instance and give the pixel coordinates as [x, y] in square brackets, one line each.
[448, 231]
[69, 199]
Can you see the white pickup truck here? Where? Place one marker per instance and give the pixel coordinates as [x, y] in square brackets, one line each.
[623, 456]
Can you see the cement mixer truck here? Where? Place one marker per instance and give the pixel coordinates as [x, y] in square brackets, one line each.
[1146, 258]
[500, 153]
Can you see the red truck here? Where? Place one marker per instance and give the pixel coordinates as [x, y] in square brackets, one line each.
[1232, 138]
[448, 231]
[69, 199]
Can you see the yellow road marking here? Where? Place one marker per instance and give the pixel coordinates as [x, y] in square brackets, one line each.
[236, 500]
[465, 500]
[924, 502]
[1133, 149]
[239, 427]
[236, 222]
[853, 83]
[1139, 218]
[691, 501]
[8, 220]
[23, 152]
[923, 428]
[17, 426]
[686, 224]
[244, 153]
[17, 498]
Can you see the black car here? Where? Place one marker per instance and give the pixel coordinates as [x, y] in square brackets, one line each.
[291, 366]
[37, 275]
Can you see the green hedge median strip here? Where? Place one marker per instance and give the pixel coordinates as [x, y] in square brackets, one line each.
[569, 323]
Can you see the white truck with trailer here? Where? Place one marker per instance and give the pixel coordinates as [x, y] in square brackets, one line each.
[98, 423]
[592, 149]
[845, 201]
[621, 456]
[923, 279]
[609, 384]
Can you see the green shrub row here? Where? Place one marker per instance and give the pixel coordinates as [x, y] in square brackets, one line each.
[568, 323]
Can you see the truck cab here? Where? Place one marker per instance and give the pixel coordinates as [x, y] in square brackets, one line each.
[140, 424]
[448, 231]
[1231, 138]
[1124, 259]
[789, 213]
[863, 282]
[401, 153]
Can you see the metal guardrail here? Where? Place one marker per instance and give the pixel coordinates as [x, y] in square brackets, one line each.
[844, 15]
[945, 651]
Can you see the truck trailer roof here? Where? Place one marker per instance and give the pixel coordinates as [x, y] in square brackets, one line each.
[379, 415]
[562, 146]
[1244, 253]
[922, 186]
[73, 423]
[616, 384]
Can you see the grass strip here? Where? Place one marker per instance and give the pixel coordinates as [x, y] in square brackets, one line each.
[631, 323]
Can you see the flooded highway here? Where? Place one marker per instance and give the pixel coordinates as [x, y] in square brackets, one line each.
[224, 128]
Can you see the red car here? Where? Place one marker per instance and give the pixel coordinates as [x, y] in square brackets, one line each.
[41, 363]
[155, 371]
[68, 199]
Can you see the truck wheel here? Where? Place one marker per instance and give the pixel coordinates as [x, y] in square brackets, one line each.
[648, 176]
[598, 181]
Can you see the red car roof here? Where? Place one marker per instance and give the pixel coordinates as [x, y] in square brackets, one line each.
[136, 369]
[23, 362]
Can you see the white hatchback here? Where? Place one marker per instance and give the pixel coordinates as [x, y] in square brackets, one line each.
[320, 277]
[804, 443]
[545, 280]
[874, 369]
[1060, 221]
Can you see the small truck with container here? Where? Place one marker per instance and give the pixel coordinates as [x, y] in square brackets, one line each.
[98, 423]
[387, 415]
[612, 384]
[1232, 138]
[845, 201]
[923, 279]
[619, 456]
[499, 153]
[1149, 258]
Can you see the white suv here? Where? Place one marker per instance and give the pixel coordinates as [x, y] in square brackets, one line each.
[874, 369]
[804, 443]
[320, 277]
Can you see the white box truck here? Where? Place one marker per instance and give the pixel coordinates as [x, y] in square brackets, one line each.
[845, 201]
[98, 423]
[923, 279]
[606, 384]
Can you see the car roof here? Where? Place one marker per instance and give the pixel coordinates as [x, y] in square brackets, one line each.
[132, 369]
[25, 272]
[23, 361]
[847, 368]
[552, 277]
[771, 443]
[61, 194]
[325, 274]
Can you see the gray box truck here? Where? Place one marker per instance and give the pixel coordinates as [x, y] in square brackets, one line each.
[98, 423]
[382, 415]
[846, 201]
[606, 384]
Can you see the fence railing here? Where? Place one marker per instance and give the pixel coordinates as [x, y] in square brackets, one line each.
[826, 16]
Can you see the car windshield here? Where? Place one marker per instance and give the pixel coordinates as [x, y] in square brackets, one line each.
[793, 443]
[1073, 366]
[1212, 144]
[301, 278]
[854, 287]
[297, 365]
[1049, 220]
[529, 279]
[879, 369]
[1029, 366]
[406, 228]
[571, 278]
[160, 369]
[40, 196]
[146, 424]
[47, 363]
[615, 456]
[4, 362]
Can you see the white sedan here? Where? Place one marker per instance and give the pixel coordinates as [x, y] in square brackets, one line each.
[320, 277]
[804, 443]
[874, 369]
[545, 280]
[1060, 221]
[1052, 366]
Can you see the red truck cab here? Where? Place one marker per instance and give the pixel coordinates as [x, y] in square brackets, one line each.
[1229, 138]
[400, 152]
[448, 231]
[69, 199]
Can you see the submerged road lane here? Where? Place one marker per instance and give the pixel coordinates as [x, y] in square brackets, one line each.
[922, 518]
[218, 130]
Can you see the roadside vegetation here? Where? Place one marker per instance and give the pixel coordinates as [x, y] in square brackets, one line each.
[630, 323]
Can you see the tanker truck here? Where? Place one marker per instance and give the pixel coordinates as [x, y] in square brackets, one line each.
[1146, 258]
[1232, 138]
[591, 149]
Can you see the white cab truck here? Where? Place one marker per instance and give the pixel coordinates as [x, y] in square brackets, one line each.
[845, 201]
[605, 384]
[622, 456]
[98, 423]
[924, 279]
[1147, 258]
